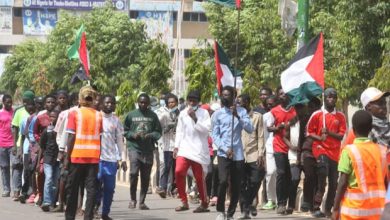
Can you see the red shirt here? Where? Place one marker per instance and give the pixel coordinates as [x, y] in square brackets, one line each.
[334, 122]
[281, 115]
[43, 120]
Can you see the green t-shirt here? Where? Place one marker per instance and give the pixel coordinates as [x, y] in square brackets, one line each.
[345, 164]
[19, 115]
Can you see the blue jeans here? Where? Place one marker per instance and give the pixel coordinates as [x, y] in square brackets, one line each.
[106, 181]
[52, 173]
[168, 164]
[7, 162]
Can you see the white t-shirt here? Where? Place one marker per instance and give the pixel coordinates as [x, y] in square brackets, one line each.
[294, 140]
[268, 120]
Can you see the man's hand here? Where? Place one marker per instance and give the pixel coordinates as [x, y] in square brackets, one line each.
[260, 162]
[60, 156]
[138, 135]
[67, 162]
[229, 153]
[323, 137]
[281, 126]
[324, 131]
[233, 108]
[335, 214]
[192, 114]
[124, 166]
[175, 152]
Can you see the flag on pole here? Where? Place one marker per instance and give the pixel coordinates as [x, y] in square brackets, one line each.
[223, 69]
[304, 76]
[79, 50]
[228, 3]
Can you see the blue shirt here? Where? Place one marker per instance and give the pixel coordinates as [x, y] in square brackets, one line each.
[22, 127]
[31, 129]
[222, 131]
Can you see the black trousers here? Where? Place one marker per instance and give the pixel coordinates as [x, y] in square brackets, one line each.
[251, 182]
[310, 182]
[209, 177]
[80, 174]
[283, 178]
[28, 170]
[140, 164]
[295, 179]
[326, 169]
[228, 167]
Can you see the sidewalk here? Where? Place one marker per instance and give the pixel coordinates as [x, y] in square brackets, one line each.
[159, 210]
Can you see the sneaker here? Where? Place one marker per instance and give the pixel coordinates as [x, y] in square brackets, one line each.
[229, 218]
[105, 217]
[221, 216]
[269, 206]
[161, 192]
[22, 198]
[31, 198]
[132, 204]
[318, 214]
[15, 198]
[143, 207]
[59, 208]
[289, 211]
[45, 207]
[245, 216]
[281, 210]
[253, 210]
[6, 194]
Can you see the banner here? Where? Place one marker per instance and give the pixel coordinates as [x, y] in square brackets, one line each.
[7, 3]
[72, 4]
[158, 24]
[158, 5]
[5, 20]
[39, 21]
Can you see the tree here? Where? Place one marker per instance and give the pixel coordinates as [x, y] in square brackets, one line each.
[199, 71]
[264, 48]
[121, 56]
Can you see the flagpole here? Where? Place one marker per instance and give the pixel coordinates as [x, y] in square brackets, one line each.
[236, 66]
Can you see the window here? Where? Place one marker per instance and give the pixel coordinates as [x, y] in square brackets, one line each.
[194, 16]
[187, 16]
[17, 12]
[134, 14]
[174, 15]
[187, 53]
[202, 17]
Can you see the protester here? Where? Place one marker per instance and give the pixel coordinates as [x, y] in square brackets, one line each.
[326, 149]
[142, 129]
[83, 146]
[254, 153]
[51, 166]
[111, 155]
[270, 177]
[168, 120]
[230, 153]
[265, 92]
[191, 150]
[281, 115]
[361, 189]
[6, 144]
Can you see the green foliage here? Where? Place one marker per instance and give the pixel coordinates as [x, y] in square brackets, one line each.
[121, 56]
[199, 71]
[264, 48]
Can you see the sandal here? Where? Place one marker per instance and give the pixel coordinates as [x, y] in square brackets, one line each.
[182, 208]
[201, 209]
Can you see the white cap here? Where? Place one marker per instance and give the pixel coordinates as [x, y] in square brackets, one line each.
[371, 94]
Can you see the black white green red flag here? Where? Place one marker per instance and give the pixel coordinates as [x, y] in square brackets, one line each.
[79, 50]
[304, 77]
[223, 69]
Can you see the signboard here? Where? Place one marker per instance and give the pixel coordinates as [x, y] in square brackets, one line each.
[5, 20]
[7, 3]
[72, 4]
[39, 21]
[158, 24]
[161, 5]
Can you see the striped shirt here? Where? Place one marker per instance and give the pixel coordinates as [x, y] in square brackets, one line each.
[112, 138]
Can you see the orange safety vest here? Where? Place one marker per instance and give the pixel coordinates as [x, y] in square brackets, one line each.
[87, 144]
[368, 199]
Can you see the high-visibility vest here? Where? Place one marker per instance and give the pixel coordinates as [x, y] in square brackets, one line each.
[368, 199]
[87, 144]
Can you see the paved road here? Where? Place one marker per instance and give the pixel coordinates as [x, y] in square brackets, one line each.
[160, 210]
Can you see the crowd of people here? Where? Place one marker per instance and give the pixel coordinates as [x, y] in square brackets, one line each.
[62, 152]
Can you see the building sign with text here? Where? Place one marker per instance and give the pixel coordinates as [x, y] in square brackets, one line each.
[72, 4]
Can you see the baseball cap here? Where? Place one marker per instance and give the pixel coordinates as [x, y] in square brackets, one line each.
[372, 94]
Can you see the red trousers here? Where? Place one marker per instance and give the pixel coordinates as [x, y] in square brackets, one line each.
[182, 166]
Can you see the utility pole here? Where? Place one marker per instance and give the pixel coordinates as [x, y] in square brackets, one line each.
[303, 22]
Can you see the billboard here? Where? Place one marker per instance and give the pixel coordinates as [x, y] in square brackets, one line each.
[72, 4]
[158, 24]
[158, 5]
[5, 20]
[39, 21]
[7, 3]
